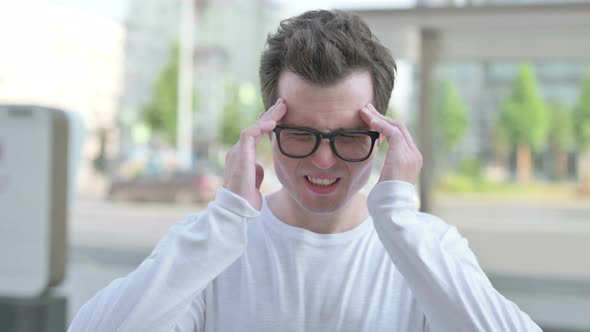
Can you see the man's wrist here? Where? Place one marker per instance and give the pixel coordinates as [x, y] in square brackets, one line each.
[235, 203]
[395, 193]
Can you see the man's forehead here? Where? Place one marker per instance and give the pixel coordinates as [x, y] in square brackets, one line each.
[359, 80]
[324, 121]
[322, 107]
[329, 130]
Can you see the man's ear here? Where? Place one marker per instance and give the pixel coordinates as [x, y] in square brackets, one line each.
[381, 138]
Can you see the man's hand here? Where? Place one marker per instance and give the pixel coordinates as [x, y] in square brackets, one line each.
[403, 161]
[242, 175]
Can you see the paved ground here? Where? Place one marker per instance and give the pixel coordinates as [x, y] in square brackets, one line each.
[109, 239]
[541, 243]
[535, 253]
[548, 238]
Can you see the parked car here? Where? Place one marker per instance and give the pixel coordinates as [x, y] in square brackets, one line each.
[194, 186]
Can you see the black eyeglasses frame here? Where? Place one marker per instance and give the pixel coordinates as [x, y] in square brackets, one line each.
[374, 135]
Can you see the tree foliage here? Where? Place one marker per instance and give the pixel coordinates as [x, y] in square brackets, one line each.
[524, 120]
[242, 106]
[160, 114]
[561, 128]
[451, 118]
[581, 116]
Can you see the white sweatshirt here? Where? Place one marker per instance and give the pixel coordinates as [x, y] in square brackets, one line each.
[233, 268]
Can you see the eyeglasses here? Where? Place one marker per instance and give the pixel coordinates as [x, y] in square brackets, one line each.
[348, 145]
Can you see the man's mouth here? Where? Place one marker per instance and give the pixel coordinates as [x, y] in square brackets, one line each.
[325, 182]
[321, 184]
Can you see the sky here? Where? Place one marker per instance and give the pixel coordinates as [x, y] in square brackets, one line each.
[294, 7]
[116, 9]
[345, 4]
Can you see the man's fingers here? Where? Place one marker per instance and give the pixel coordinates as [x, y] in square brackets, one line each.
[276, 111]
[242, 175]
[267, 121]
[258, 129]
[403, 133]
[392, 133]
[403, 129]
[265, 114]
[250, 136]
[279, 111]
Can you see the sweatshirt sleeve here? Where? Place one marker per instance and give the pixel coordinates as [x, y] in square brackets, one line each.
[192, 254]
[440, 269]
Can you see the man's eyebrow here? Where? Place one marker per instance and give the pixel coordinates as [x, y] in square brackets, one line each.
[333, 130]
[348, 129]
[362, 127]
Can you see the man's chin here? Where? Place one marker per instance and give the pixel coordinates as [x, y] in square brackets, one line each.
[321, 206]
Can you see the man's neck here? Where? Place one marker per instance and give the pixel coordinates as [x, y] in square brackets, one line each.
[352, 214]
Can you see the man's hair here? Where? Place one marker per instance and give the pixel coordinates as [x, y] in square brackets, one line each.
[323, 47]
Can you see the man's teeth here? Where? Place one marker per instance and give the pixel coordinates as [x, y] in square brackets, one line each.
[321, 182]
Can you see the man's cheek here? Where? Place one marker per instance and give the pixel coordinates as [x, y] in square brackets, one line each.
[363, 173]
[280, 170]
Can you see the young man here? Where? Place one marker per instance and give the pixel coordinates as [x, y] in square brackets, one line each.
[316, 255]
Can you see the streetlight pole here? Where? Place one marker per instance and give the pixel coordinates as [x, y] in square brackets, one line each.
[184, 133]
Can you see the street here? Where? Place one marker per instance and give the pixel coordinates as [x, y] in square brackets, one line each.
[109, 239]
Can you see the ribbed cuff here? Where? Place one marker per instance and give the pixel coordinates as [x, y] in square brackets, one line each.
[235, 203]
[397, 194]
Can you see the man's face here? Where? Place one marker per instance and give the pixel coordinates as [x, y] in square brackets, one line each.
[326, 109]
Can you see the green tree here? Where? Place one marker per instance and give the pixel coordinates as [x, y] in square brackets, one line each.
[160, 113]
[242, 106]
[523, 121]
[451, 118]
[561, 136]
[391, 112]
[581, 120]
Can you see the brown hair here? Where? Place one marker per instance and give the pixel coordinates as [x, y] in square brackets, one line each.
[323, 47]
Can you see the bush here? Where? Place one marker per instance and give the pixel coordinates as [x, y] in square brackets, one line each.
[471, 168]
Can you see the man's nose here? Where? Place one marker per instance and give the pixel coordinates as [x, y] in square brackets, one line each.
[324, 157]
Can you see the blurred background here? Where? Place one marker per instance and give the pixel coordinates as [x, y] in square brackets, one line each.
[496, 93]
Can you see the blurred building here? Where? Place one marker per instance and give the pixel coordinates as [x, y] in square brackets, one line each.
[64, 57]
[229, 36]
[484, 85]
[240, 27]
[151, 31]
[102, 59]
[442, 3]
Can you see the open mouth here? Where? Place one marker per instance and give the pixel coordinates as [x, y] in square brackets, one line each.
[322, 185]
[321, 182]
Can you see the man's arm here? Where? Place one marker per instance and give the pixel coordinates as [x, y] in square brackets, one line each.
[439, 267]
[156, 295]
[187, 259]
